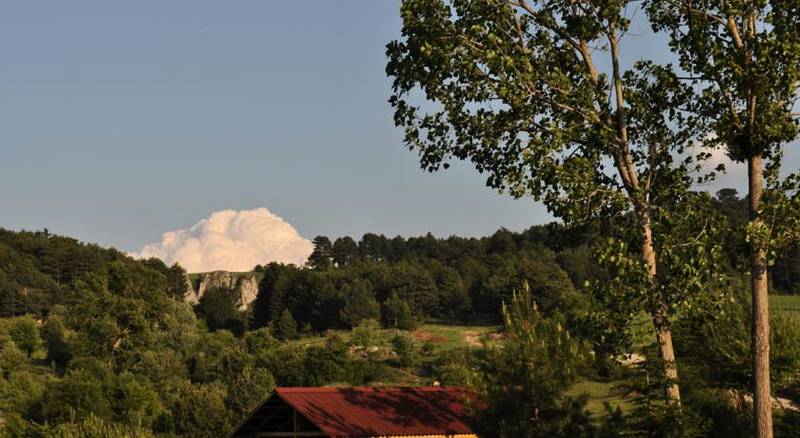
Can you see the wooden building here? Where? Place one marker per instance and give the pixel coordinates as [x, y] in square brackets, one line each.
[420, 412]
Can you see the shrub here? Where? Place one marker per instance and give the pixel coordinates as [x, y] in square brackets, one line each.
[398, 314]
[285, 327]
[406, 350]
[25, 333]
[367, 334]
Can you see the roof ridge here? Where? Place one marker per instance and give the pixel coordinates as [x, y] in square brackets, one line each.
[317, 389]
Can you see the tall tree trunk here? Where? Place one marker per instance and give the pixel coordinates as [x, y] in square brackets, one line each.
[630, 178]
[762, 398]
[660, 321]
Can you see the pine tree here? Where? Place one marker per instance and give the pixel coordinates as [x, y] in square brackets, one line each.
[322, 256]
[525, 374]
[285, 327]
[359, 303]
[345, 251]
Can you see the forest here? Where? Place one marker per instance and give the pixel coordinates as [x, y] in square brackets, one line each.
[96, 343]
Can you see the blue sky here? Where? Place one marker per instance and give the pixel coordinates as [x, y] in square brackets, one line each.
[122, 120]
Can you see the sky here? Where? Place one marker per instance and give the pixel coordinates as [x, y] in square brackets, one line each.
[124, 120]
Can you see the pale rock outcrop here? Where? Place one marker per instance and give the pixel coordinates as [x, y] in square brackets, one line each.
[245, 286]
[190, 296]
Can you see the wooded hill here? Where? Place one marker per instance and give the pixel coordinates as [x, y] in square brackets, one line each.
[95, 343]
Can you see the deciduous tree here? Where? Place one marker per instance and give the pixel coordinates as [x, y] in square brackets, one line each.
[514, 87]
[743, 56]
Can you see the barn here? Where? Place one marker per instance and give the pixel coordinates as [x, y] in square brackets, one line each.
[420, 412]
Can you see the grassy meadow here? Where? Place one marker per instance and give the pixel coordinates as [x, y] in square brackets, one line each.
[785, 305]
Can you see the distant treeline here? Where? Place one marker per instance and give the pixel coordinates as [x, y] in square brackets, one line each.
[346, 281]
[39, 269]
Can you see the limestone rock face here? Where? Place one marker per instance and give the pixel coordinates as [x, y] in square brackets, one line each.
[248, 289]
[190, 296]
[245, 287]
[216, 279]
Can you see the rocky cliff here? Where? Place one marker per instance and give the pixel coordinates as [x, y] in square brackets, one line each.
[244, 285]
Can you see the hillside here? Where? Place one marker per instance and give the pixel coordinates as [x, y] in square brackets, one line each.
[91, 339]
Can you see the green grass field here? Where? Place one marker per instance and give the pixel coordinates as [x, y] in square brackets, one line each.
[442, 335]
[451, 336]
[785, 304]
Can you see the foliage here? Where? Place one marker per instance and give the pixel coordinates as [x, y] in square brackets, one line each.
[11, 358]
[57, 339]
[322, 256]
[96, 427]
[405, 349]
[456, 368]
[367, 334]
[285, 327]
[525, 376]
[218, 306]
[513, 87]
[199, 410]
[692, 272]
[743, 61]
[397, 314]
[359, 303]
[717, 344]
[325, 364]
[122, 357]
[737, 67]
[344, 251]
[24, 331]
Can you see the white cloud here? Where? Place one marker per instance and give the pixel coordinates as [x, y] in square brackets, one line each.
[231, 240]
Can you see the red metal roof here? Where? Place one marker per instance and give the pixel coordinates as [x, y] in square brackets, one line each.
[368, 411]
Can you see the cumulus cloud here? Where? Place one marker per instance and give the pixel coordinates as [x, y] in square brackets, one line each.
[231, 240]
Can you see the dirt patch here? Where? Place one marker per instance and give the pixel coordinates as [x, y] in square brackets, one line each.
[472, 338]
[424, 336]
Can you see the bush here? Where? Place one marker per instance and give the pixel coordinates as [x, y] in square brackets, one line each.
[79, 394]
[398, 314]
[367, 334]
[406, 350]
[199, 410]
[327, 364]
[285, 327]
[25, 333]
[96, 427]
[286, 364]
[20, 392]
[219, 308]
[59, 350]
[11, 359]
